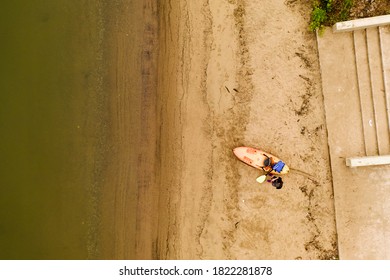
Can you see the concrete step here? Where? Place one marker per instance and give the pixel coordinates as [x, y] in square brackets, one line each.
[343, 105]
[384, 38]
[364, 92]
[378, 91]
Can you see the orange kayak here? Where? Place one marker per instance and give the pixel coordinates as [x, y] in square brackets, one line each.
[256, 158]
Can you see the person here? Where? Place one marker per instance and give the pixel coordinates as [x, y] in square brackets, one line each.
[268, 164]
[277, 182]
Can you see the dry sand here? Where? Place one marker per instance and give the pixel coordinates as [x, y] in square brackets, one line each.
[229, 73]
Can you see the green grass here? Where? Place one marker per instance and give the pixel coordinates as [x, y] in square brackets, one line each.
[328, 12]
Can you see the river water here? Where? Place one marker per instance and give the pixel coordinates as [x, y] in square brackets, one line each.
[52, 121]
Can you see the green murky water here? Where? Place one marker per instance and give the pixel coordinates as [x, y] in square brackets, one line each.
[51, 122]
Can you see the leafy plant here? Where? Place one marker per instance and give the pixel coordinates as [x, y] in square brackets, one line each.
[328, 12]
[318, 17]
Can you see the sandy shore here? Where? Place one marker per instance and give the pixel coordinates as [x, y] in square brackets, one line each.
[228, 73]
[238, 73]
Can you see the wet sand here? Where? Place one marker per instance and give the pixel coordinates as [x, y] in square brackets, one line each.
[129, 192]
[215, 75]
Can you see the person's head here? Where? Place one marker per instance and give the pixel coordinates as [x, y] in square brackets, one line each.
[277, 183]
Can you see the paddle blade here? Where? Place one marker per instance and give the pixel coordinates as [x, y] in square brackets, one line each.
[261, 179]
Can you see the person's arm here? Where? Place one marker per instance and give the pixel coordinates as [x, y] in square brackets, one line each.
[267, 169]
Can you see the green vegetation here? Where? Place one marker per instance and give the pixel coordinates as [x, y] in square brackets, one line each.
[328, 12]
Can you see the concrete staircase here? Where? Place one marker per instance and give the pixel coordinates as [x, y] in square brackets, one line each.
[372, 60]
[355, 71]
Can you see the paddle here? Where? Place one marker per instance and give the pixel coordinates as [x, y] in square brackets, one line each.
[261, 179]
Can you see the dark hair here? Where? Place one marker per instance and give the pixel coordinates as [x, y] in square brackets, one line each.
[277, 183]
